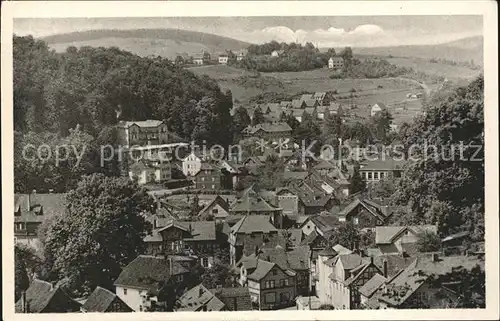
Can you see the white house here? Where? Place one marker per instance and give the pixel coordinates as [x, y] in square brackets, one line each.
[336, 62]
[223, 59]
[191, 164]
[377, 108]
[276, 53]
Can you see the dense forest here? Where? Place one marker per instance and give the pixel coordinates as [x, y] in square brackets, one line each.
[75, 97]
[293, 57]
[89, 86]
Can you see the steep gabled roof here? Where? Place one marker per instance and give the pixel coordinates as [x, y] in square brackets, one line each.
[149, 273]
[276, 127]
[404, 284]
[254, 223]
[101, 299]
[235, 299]
[42, 297]
[387, 234]
[199, 297]
[251, 201]
[370, 287]
[217, 200]
[41, 206]
[262, 268]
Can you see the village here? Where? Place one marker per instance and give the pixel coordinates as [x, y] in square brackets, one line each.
[278, 241]
[171, 170]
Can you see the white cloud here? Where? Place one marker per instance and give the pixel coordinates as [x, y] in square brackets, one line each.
[324, 37]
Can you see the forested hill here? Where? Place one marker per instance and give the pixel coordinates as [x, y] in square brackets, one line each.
[53, 92]
[163, 42]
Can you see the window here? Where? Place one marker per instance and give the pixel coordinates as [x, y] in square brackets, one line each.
[375, 175]
[213, 179]
[274, 272]
[266, 285]
[204, 262]
[203, 179]
[213, 186]
[271, 284]
[369, 175]
[356, 220]
[287, 282]
[124, 291]
[215, 211]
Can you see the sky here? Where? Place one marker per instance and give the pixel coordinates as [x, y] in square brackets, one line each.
[327, 31]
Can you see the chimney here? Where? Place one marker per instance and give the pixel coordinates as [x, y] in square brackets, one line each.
[200, 291]
[256, 250]
[24, 303]
[371, 260]
[28, 202]
[385, 268]
[435, 257]
[170, 265]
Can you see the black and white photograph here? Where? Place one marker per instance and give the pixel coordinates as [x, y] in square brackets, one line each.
[238, 162]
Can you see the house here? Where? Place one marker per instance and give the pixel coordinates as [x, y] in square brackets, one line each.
[367, 291]
[313, 195]
[223, 59]
[285, 104]
[43, 297]
[377, 169]
[141, 283]
[199, 298]
[277, 53]
[208, 177]
[350, 273]
[427, 283]
[251, 202]
[218, 208]
[176, 237]
[269, 131]
[249, 234]
[335, 109]
[271, 286]
[298, 104]
[400, 239]
[241, 54]
[142, 133]
[235, 299]
[319, 97]
[377, 108]
[365, 213]
[336, 62]
[103, 300]
[340, 275]
[145, 171]
[311, 102]
[296, 260]
[30, 210]
[298, 114]
[202, 58]
[191, 164]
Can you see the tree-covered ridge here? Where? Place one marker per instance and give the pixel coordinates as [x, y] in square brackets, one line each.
[447, 189]
[88, 86]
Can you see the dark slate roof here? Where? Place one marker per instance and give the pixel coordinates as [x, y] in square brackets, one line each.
[217, 200]
[228, 296]
[100, 300]
[262, 268]
[42, 297]
[410, 279]
[197, 298]
[251, 201]
[372, 285]
[371, 207]
[149, 272]
[254, 223]
[287, 175]
[45, 204]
